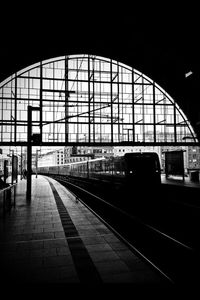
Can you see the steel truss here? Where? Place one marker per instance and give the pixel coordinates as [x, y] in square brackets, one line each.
[89, 100]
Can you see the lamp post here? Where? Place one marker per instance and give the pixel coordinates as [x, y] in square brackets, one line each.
[11, 154]
[36, 161]
[30, 140]
[21, 163]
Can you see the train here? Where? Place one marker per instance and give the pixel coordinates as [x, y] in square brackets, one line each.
[138, 167]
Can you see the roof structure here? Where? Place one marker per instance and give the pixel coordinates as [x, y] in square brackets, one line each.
[161, 42]
[89, 100]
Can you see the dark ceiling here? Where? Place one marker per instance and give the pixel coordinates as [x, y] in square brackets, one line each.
[162, 42]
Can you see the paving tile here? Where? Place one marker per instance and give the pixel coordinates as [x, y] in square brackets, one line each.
[125, 254]
[43, 252]
[126, 277]
[36, 244]
[47, 275]
[62, 250]
[112, 267]
[43, 236]
[69, 273]
[118, 245]
[59, 232]
[62, 260]
[92, 240]
[98, 247]
[55, 243]
[104, 256]
[111, 238]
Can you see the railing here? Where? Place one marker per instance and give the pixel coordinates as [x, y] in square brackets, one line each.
[7, 199]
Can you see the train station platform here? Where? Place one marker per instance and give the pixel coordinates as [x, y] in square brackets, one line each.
[178, 181]
[55, 239]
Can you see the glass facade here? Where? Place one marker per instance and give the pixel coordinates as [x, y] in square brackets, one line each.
[87, 99]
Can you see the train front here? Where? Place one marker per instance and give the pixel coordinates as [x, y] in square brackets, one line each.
[142, 168]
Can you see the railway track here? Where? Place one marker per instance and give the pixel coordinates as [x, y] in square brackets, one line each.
[172, 210]
[176, 261]
[164, 210]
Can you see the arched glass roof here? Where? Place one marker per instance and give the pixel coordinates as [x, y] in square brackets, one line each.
[87, 99]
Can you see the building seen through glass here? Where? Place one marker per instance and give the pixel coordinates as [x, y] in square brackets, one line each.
[54, 156]
[90, 106]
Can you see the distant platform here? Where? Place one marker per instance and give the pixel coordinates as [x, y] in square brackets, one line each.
[178, 180]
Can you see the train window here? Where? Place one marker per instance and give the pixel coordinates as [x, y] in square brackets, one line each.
[142, 163]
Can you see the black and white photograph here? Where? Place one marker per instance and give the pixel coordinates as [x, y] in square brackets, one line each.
[99, 146]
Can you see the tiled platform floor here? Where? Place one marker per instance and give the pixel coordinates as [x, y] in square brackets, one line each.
[36, 247]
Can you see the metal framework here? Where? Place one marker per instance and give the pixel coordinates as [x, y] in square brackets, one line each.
[89, 100]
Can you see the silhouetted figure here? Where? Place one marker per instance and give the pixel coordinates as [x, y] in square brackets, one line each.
[24, 173]
[3, 184]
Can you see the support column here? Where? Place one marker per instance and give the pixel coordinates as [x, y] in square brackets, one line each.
[154, 113]
[29, 155]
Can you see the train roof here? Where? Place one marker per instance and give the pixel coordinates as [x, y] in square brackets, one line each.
[140, 154]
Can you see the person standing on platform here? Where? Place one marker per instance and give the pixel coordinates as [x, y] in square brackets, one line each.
[24, 173]
[3, 184]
